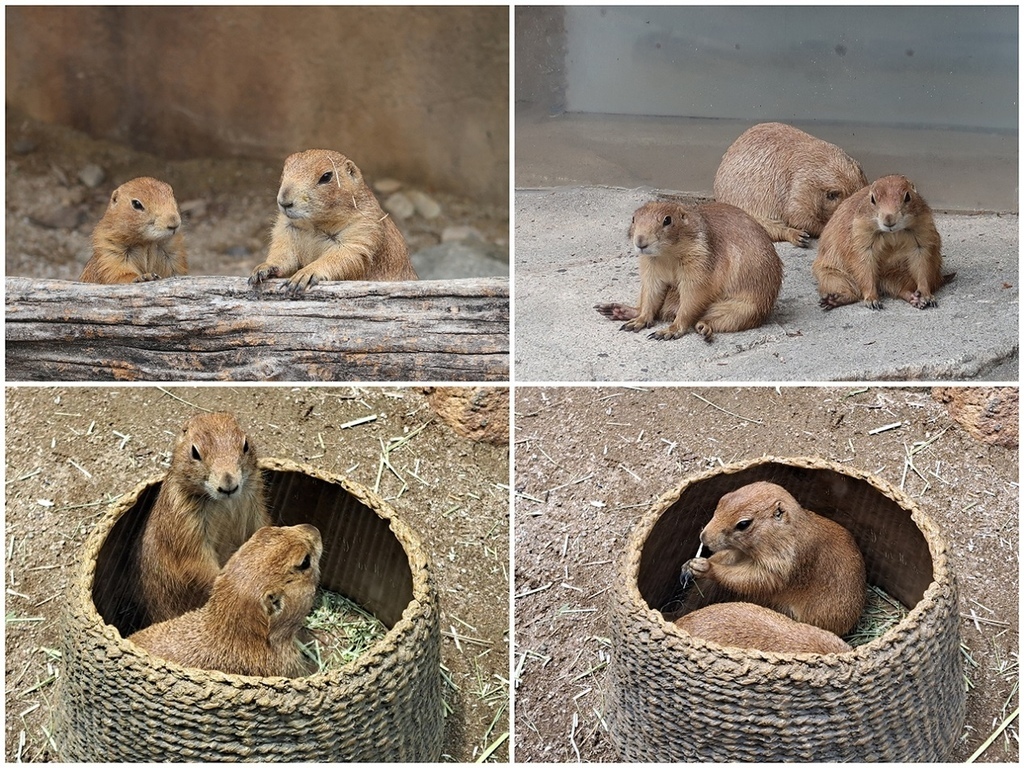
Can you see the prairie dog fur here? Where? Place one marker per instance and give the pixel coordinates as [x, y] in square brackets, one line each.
[745, 625]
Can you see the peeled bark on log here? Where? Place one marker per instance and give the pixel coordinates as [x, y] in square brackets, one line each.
[200, 328]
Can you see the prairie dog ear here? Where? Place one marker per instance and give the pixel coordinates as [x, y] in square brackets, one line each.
[113, 197]
[350, 168]
[273, 604]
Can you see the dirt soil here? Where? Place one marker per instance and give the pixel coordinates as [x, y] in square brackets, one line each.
[228, 205]
[590, 461]
[70, 451]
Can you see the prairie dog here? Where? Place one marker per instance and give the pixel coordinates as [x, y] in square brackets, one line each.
[139, 238]
[256, 610]
[331, 227]
[210, 502]
[771, 551]
[745, 625]
[707, 267]
[788, 180]
[881, 241]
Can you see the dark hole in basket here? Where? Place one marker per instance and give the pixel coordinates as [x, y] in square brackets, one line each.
[895, 551]
[362, 559]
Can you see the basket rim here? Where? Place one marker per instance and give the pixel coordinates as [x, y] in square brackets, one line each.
[898, 633]
[384, 647]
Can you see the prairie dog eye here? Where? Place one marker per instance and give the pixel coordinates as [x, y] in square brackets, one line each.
[743, 524]
[667, 222]
[906, 197]
[304, 565]
[195, 454]
[832, 195]
[326, 178]
[873, 201]
[137, 205]
[245, 446]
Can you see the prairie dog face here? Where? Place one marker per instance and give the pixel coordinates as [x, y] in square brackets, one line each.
[891, 198]
[146, 207]
[656, 225]
[749, 517]
[317, 184]
[278, 568]
[215, 455]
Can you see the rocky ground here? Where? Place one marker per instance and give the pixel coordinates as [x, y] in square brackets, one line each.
[58, 183]
[590, 461]
[71, 451]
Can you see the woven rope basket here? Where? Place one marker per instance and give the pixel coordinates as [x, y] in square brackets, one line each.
[672, 697]
[119, 703]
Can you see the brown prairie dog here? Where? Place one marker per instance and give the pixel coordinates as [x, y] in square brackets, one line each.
[881, 241]
[331, 227]
[210, 502]
[788, 180]
[707, 267]
[256, 609]
[139, 238]
[745, 625]
[771, 551]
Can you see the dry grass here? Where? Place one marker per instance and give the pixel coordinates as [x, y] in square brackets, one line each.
[342, 631]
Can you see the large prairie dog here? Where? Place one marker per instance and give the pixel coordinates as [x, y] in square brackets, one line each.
[771, 551]
[881, 241]
[256, 609]
[707, 267]
[331, 227]
[210, 502]
[788, 180]
[139, 238]
[745, 625]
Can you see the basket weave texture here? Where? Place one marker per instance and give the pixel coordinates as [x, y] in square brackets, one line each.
[672, 697]
[119, 703]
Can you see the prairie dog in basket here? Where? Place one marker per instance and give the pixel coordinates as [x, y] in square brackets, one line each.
[745, 625]
[255, 612]
[788, 180]
[331, 227]
[771, 551]
[211, 501]
[707, 267]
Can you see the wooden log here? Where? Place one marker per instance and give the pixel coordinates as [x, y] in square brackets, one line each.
[200, 328]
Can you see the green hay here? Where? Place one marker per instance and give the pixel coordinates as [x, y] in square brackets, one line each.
[881, 613]
[341, 631]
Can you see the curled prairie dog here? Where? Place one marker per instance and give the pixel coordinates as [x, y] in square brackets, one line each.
[881, 241]
[788, 180]
[255, 613]
[210, 502]
[139, 238]
[771, 551]
[745, 625]
[707, 267]
[331, 227]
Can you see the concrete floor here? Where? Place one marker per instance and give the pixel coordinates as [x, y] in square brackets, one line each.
[955, 170]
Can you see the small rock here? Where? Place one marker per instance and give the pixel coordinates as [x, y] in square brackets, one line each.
[61, 217]
[988, 414]
[23, 146]
[194, 209]
[387, 186]
[479, 413]
[450, 261]
[461, 233]
[399, 206]
[92, 175]
[425, 204]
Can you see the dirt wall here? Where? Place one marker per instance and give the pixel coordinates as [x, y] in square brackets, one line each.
[418, 93]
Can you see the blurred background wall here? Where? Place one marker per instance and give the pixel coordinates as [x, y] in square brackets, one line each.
[417, 93]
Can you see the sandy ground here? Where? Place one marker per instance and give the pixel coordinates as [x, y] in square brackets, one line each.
[590, 461]
[71, 451]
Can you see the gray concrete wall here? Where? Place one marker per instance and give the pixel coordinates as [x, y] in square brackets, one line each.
[938, 67]
[420, 93]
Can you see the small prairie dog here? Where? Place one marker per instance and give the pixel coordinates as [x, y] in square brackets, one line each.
[881, 241]
[256, 609]
[745, 625]
[210, 502]
[139, 238]
[788, 180]
[771, 551]
[707, 267]
[331, 227]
